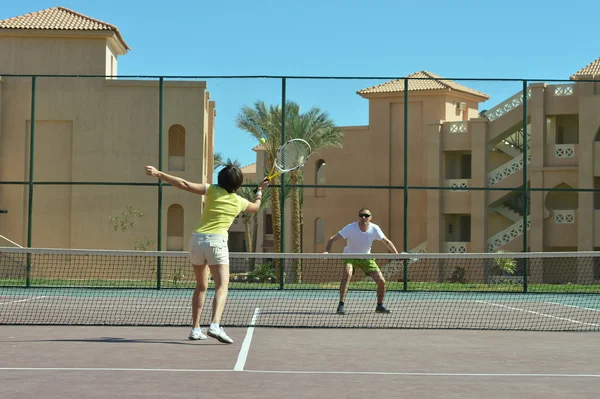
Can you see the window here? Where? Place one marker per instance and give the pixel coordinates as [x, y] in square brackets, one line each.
[561, 200]
[567, 129]
[457, 165]
[175, 228]
[458, 228]
[320, 178]
[319, 231]
[176, 148]
[268, 223]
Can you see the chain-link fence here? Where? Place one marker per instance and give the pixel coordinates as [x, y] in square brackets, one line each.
[444, 165]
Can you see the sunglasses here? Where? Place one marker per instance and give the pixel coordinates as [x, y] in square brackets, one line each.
[364, 215]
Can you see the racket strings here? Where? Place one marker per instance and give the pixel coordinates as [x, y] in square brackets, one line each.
[292, 155]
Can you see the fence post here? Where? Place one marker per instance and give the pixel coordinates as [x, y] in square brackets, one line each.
[525, 188]
[282, 191]
[30, 183]
[405, 234]
[161, 85]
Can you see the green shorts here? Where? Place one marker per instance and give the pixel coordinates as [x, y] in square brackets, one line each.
[366, 265]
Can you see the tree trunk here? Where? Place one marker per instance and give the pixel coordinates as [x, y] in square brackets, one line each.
[276, 218]
[254, 239]
[296, 228]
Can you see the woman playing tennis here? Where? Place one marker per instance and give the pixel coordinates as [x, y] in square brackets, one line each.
[208, 244]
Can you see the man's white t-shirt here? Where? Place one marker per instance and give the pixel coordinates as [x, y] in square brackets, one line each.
[358, 241]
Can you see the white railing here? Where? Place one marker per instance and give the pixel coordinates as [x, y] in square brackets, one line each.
[564, 217]
[507, 235]
[455, 247]
[509, 168]
[457, 127]
[506, 106]
[564, 150]
[563, 90]
[457, 184]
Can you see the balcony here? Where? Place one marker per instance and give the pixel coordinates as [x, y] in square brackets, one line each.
[456, 136]
[457, 199]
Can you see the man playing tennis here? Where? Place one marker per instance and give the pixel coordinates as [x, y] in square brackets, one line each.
[208, 244]
[359, 238]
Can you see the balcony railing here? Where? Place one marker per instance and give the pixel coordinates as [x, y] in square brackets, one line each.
[455, 247]
[507, 235]
[457, 184]
[563, 90]
[458, 127]
[509, 168]
[506, 106]
[564, 216]
[564, 150]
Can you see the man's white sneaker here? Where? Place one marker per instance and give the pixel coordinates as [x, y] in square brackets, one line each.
[219, 334]
[196, 334]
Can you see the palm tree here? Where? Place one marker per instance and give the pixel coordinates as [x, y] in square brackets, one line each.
[316, 127]
[265, 122]
[319, 130]
[251, 221]
[218, 160]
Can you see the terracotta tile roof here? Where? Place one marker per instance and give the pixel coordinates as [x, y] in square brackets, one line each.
[427, 81]
[59, 18]
[593, 68]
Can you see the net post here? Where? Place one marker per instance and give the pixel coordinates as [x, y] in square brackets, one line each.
[282, 192]
[161, 87]
[525, 189]
[405, 227]
[30, 182]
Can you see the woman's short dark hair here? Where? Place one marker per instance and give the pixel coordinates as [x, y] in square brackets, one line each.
[231, 177]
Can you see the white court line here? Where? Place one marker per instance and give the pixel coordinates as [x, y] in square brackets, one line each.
[241, 361]
[539, 314]
[22, 300]
[416, 374]
[573, 306]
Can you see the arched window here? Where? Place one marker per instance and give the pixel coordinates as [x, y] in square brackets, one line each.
[176, 148]
[175, 228]
[561, 200]
[320, 177]
[319, 235]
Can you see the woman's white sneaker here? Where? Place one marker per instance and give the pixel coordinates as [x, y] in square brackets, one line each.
[196, 334]
[219, 333]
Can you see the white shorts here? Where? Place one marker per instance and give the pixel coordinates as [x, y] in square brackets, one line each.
[209, 249]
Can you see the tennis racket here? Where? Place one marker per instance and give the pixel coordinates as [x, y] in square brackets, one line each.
[292, 155]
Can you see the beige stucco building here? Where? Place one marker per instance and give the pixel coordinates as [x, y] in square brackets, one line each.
[452, 145]
[95, 129]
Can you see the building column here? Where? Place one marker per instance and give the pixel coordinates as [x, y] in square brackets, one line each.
[479, 172]
[589, 102]
[434, 179]
[537, 150]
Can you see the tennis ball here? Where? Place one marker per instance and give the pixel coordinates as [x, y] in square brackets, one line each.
[262, 140]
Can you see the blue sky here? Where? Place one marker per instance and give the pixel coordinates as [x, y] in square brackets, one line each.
[382, 38]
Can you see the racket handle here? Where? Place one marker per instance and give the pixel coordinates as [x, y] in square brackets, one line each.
[256, 189]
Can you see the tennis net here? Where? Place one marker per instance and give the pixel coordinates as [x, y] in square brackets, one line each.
[558, 291]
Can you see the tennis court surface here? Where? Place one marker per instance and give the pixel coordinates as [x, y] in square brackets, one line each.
[99, 324]
[101, 362]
